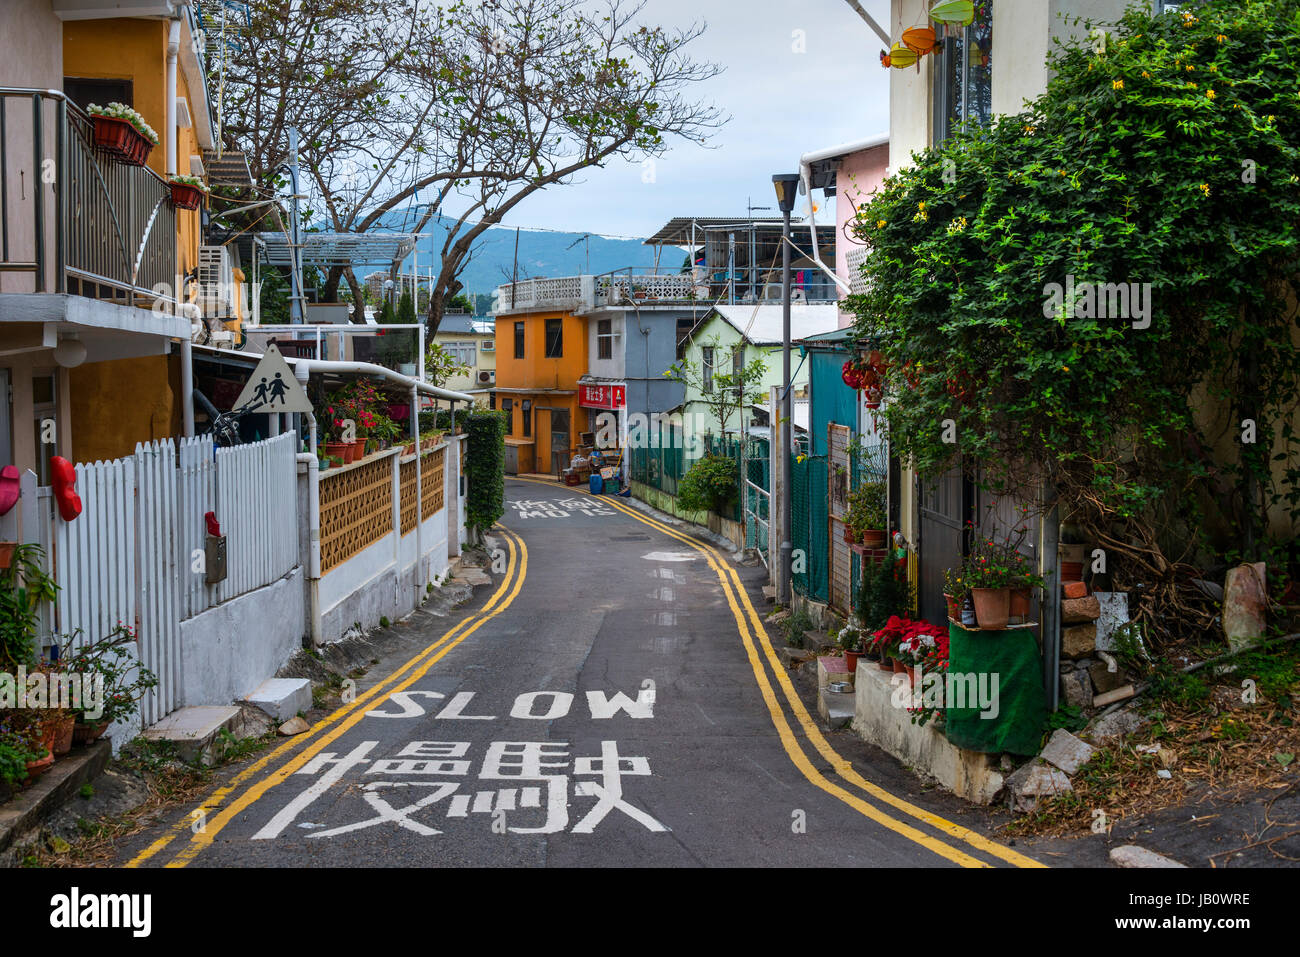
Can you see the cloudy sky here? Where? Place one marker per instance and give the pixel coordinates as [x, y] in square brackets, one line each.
[782, 104]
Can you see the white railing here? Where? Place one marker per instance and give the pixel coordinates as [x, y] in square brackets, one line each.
[566, 292]
[135, 553]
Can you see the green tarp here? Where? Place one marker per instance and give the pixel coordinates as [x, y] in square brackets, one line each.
[1008, 712]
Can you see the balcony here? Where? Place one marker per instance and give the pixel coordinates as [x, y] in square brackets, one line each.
[74, 219]
[645, 286]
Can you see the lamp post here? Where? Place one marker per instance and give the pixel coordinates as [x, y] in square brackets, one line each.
[786, 185]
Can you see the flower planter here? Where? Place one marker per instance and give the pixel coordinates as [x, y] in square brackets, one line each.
[185, 196]
[122, 139]
[850, 535]
[883, 663]
[954, 607]
[1021, 602]
[88, 733]
[7, 553]
[36, 768]
[64, 731]
[358, 450]
[338, 450]
[910, 671]
[851, 660]
[898, 666]
[992, 607]
[873, 538]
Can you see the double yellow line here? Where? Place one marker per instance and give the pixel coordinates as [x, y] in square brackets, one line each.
[207, 820]
[736, 597]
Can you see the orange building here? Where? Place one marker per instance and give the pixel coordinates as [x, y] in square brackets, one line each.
[540, 357]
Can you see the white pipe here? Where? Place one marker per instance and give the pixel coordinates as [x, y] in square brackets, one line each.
[805, 174]
[416, 575]
[884, 37]
[368, 368]
[300, 373]
[173, 48]
[187, 387]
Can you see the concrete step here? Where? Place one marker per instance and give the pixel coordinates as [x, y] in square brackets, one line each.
[23, 813]
[835, 708]
[282, 698]
[194, 730]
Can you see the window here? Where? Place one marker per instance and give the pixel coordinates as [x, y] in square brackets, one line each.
[83, 92]
[462, 352]
[519, 340]
[554, 338]
[738, 361]
[508, 407]
[605, 339]
[963, 75]
[708, 368]
[528, 417]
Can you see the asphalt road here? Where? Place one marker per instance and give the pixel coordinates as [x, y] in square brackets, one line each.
[606, 703]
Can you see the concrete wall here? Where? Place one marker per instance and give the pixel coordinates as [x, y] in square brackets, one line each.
[227, 651]
[860, 174]
[104, 425]
[734, 532]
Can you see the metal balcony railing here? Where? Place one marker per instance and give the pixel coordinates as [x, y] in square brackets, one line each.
[74, 218]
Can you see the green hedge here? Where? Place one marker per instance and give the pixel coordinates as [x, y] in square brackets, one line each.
[485, 469]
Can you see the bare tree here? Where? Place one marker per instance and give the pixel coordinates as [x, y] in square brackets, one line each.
[459, 111]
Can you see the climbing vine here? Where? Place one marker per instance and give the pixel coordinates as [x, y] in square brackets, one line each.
[485, 466]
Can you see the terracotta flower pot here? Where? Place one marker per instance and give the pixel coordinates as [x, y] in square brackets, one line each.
[358, 449]
[7, 553]
[883, 663]
[850, 535]
[954, 607]
[874, 538]
[1021, 602]
[88, 733]
[36, 768]
[63, 734]
[338, 450]
[911, 674]
[898, 666]
[992, 607]
[851, 659]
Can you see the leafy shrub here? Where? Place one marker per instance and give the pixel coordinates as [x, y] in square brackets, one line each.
[709, 484]
[485, 469]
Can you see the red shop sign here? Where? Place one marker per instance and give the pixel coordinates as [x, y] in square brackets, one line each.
[602, 396]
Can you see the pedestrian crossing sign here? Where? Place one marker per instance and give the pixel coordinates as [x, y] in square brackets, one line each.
[272, 388]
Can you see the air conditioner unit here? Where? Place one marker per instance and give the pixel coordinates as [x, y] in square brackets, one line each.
[487, 378]
[489, 345]
[216, 282]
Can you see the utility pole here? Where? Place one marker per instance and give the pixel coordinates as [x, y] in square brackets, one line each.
[786, 189]
[297, 310]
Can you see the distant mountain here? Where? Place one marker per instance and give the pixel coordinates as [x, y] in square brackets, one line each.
[541, 253]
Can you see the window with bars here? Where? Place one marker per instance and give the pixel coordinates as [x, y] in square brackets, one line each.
[963, 74]
[605, 339]
[554, 338]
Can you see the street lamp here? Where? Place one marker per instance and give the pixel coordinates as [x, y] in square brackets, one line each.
[787, 186]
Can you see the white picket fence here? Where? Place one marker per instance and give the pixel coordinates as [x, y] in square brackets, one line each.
[132, 556]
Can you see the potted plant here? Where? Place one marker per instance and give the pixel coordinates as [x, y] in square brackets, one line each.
[122, 131]
[187, 191]
[850, 642]
[24, 587]
[1022, 582]
[125, 682]
[954, 592]
[867, 514]
[17, 754]
[7, 553]
[987, 573]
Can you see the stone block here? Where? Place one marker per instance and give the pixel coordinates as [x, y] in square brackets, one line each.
[1066, 752]
[1074, 590]
[1245, 604]
[1033, 782]
[1078, 610]
[1078, 641]
[1076, 689]
[1105, 680]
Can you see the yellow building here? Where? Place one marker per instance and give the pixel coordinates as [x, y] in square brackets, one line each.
[473, 344]
[93, 334]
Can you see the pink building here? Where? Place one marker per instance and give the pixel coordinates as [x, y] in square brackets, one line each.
[850, 172]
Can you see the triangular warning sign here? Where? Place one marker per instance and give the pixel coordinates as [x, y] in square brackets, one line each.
[272, 387]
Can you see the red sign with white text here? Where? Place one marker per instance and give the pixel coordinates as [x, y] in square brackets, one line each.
[602, 396]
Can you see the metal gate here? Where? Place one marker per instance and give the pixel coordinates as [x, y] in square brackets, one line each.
[841, 556]
[945, 505]
[756, 499]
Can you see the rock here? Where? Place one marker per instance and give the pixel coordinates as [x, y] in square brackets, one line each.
[1245, 602]
[1114, 613]
[1078, 641]
[295, 725]
[1078, 610]
[1110, 697]
[1006, 764]
[1105, 680]
[1076, 689]
[1033, 782]
[1074, 590]
[1130, 855]
[1114, 725]
[1066, 752]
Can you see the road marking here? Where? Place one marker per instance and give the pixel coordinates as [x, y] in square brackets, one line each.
[840, 764]
[501, 598]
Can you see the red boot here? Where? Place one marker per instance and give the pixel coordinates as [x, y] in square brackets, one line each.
[65, 487]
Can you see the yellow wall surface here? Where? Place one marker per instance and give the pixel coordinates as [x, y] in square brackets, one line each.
[136, 50]
[119, 403]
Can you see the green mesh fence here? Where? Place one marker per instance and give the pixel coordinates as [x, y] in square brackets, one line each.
[808, 523]
[756, 495]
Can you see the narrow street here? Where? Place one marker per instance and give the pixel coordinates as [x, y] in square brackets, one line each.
[605, 703]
